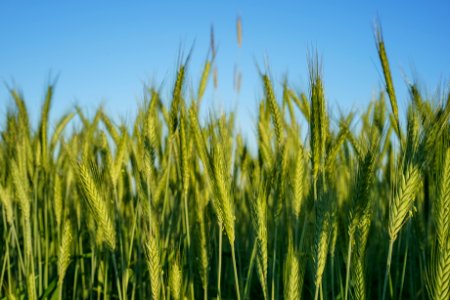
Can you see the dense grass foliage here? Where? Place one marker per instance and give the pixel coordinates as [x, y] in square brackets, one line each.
[329, 206]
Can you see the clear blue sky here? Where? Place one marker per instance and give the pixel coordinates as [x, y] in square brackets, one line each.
[104, 51]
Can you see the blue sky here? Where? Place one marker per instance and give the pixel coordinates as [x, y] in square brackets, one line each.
[104, 51]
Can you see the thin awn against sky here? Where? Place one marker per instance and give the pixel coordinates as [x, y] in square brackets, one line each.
[105, 51]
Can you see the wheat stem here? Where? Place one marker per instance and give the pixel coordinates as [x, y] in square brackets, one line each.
[388, 268]
[236, 278]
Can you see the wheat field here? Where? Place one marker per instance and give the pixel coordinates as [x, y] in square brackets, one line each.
[349, 206]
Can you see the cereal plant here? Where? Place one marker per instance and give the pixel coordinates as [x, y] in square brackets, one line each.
[178, 206]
